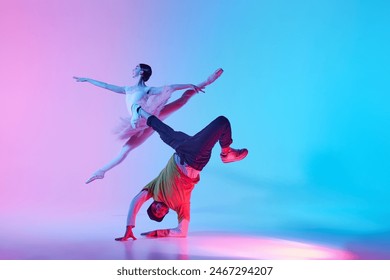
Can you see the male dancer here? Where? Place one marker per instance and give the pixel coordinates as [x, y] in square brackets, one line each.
[172, 188]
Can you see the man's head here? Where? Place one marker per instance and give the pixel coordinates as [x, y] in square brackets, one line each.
[157, 211]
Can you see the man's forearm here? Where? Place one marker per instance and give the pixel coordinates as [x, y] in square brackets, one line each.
[135, 205]
[165, 233]
[180, 231]
[176, 233]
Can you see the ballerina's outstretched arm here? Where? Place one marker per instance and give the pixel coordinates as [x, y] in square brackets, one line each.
[114, 88]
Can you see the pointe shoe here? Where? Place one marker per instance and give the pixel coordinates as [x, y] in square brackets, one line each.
[234, 155]
[214, 76]
[97, 175]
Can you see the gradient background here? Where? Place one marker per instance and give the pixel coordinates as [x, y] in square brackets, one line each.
[305, 86]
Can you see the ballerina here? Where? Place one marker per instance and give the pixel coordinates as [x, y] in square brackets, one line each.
[154, 99]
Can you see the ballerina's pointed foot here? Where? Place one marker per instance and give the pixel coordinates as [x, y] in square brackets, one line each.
[215, 76]
[97, 175]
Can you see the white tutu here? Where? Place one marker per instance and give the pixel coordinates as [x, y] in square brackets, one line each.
[151, 103]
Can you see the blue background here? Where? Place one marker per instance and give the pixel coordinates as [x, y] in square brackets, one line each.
[305, 87]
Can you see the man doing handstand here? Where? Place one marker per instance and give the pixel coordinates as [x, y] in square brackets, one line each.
[172, 188]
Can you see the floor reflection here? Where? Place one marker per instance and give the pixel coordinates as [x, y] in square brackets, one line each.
[199, 245]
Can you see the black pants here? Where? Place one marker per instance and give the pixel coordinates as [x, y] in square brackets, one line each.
[195, 150]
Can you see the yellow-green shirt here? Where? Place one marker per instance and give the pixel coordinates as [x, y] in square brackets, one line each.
[173, 188]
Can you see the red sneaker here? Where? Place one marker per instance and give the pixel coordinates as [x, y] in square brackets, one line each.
[234, 155]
